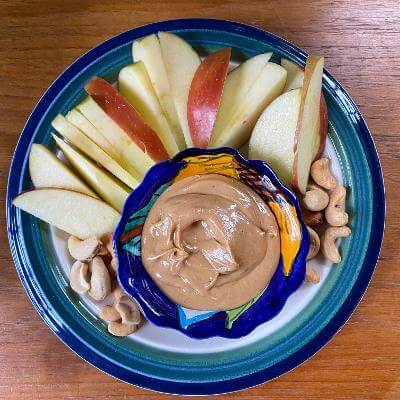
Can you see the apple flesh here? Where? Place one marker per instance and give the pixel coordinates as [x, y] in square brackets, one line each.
[295, 75]
[148, 50]
[84, 144]
[47, 171]
[75, 213]
[108, 188]
[135, 86]
[237, 85]
[181, 63]
[76, 118]
[205, 95]
[273, 136]
[308, 126]
[236, 131]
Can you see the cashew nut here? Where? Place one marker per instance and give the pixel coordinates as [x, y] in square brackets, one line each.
[100, 282]
[315, 199]
[109, 313]
[129, 311]
[328, 242]
[79, 277]
[107, 240]
[334, 213]
[312, 218]
[108, 243]
[314, 243]
[128, 318]
[321, 173]
[83, 250]
[312, 275]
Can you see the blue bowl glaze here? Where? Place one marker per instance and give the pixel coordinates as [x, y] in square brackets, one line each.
[196, 373]
[156, 306]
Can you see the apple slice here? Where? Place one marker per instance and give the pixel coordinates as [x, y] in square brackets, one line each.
[181, 63]
[135, 162]
[237, 85]
[295, 75]
[47, 171]
[205, 95]
[76, 118]
[237, 129]
[135, 86]
[148, 50]
[273, 136]
[84, 144]
[294, 80]
[308, 125]
[75, 213]
[123, 114]
[109, 189]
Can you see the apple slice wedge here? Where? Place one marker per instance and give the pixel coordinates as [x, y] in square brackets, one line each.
[133, 160]
[75, 117]
[237, 129]
[148, 50]
[75, 213]
[205, 95]
[181, 63]
[130, 121]
[84, 144]
[295, 80]
[308, 123]
[109, 189]
[47, 171]
[295, 75]
[237, 85]
[273, 136]
[135, 86]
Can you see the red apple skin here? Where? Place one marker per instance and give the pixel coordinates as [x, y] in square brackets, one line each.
[323, 130]
[205, 95]
[127, 118]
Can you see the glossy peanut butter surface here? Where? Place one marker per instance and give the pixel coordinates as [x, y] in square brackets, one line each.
[210, 243]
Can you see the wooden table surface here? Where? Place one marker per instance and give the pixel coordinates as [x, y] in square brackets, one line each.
[360, 40]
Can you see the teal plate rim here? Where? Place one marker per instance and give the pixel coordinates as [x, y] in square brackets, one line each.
[364, 175]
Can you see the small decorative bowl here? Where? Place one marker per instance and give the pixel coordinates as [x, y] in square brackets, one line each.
[156, 306]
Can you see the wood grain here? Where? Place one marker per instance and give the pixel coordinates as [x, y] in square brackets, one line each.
[361, 42]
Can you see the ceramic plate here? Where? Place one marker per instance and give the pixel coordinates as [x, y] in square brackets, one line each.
[163, 359]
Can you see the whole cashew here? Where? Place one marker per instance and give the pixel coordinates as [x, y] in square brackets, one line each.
[314, 243]
[83, 250]
[328, 242]
[312, 218]
[312, 275]
[79, 277]
[100, 282]
[129, 318]
[315, 199]
[321, 173]
[334, 213]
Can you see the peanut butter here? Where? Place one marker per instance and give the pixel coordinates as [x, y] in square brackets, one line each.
[210, 243]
